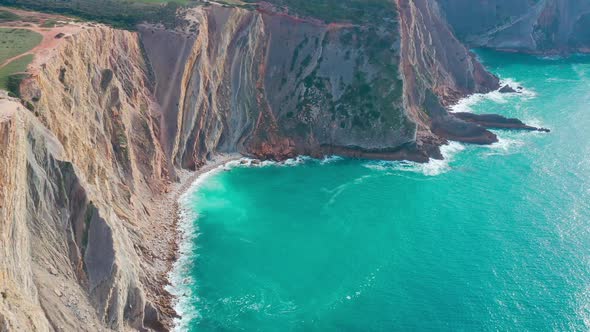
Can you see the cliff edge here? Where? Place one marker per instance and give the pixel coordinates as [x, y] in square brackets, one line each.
[113, 117]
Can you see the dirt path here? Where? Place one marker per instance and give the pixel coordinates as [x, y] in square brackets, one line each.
[43, 50]
[49, 42]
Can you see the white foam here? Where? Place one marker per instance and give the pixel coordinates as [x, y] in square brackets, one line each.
[523, 92]
[534, 122]
[330, 159]
[466, 104]
[180, 281]
[550, 57]
[341, 188]
[505, 145]
[433, 167]
[249, 162]
[299, 160]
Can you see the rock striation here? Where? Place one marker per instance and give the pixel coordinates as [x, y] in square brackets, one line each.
[113, 118]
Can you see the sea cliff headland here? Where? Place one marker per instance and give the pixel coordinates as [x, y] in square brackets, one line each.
[107, 126]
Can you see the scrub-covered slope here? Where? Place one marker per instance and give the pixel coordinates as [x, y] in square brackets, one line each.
[271, 85]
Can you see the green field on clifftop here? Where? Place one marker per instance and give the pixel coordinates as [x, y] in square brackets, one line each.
[10, 74]
[16, 41]
[118, 13]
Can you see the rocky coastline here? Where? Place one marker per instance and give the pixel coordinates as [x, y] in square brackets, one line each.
[167, 221]
[112, 126]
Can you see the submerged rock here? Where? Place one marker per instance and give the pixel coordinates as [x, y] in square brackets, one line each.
[495, 121]
[507, 89]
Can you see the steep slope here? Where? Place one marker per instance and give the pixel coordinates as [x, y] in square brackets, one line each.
[90, 175]
[438, 71]
[538, 26]
[113, 117]
[273, 86]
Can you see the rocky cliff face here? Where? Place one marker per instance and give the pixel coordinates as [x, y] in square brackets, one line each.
[82, 168]
[113, 115]
[273, 86]
[537, 26]
[438, 70]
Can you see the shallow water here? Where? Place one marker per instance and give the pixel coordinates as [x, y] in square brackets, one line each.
[492, 238]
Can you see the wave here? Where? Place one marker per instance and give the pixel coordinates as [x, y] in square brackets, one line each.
[504, 146]
[341, 188]
[331, 159]
[180, 280]
[466, 104]
[299, 160]
[554, 57]
[433, 167]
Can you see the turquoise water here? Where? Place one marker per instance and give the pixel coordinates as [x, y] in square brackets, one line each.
[491, 239]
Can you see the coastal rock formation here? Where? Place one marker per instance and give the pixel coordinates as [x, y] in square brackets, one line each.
[113, 117]
[438, 70]
[273, 86]
[495, 121]
[88, 166]
[540, 26]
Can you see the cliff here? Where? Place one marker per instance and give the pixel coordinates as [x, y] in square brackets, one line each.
[274, 86]
[534, 26]
[83, 167]
[113, 117]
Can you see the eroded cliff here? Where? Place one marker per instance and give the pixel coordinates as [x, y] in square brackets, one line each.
[273, 86]
[89, 167]
[537, 26]
[114, 116]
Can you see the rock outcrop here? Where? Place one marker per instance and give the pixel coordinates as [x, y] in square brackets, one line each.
[88, 166]
[272, 86]
[495, 121]
[112, 116]
[534, 26]
[438, 70]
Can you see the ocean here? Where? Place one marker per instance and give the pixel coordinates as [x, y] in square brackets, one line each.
[493, 238]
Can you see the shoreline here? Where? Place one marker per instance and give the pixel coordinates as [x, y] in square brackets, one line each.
[168, 205]
[170, 229]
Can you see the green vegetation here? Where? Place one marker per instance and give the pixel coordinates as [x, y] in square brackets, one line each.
[367, 99]
[12, 73]
[49, 23]
[354, 11]
[235, 4]
[6, 16]
[14, 42]
[17, 41]
[181, 2]
[124, 14]
[128, 13]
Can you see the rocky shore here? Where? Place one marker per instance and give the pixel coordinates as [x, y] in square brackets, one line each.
[166, 237]
[112, 126]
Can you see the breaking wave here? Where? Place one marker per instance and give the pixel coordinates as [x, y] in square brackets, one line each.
[466, 104]
[180, 280]
[432, 168]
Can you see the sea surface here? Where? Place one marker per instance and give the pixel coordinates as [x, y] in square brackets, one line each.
[493, 238]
